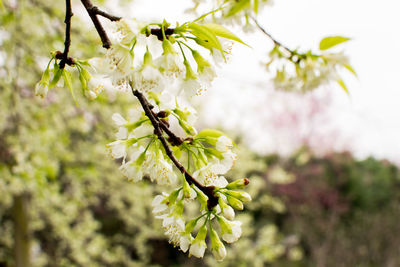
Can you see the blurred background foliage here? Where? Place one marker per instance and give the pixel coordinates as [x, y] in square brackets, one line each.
[64, 203]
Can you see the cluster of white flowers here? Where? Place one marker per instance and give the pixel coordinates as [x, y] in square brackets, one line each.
[167, 67]
[169, 208]
[155, 62]
[302, 72]
[210, 152]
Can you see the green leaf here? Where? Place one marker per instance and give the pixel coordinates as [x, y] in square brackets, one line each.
[239, 6]
[57, 75]
[68, 82]
[255, 6]
[210, 133]
[208, 38]
[221, 31]
[332, 41]
[343, 85]
[350, 68]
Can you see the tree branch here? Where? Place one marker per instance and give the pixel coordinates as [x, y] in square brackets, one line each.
[158, 130]
[67, 42]
[93, 11]
[276, 42]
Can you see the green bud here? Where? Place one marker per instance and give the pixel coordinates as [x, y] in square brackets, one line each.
[190, 75]
[202, 198]
[201, 62]
[45, 77]
[235, 203]
[242, 196]
[201, 235]
[238, 184]
[167, 47]
[222, 203]
[187, 192]
[213, 152]
[190, 226]
[148, 58]
[215, 241]
[225, 225]
[189, 129]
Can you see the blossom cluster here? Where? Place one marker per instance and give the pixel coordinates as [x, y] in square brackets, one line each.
[167, 66]
[158, 61]
[210, 154]
[302, 72]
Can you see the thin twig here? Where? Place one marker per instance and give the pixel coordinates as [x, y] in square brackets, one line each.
[93, 11]
[158, 130]
[276, 42]
[67, 42]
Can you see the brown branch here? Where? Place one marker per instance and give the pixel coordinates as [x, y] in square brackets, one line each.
[158, 130]
[67, 42]
[93, 11]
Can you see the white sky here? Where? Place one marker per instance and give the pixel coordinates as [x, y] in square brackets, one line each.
[368, 121]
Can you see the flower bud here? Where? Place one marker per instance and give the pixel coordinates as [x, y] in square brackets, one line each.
[188, 192]
[41, 89]
[238, 184]
[235, 203]
[199, 245]
[167, 47]
[217, 247]
[227, 210]
[190, 226]
[242, 196]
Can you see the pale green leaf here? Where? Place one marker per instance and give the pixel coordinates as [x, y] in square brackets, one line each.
[57, 75]
[221, 31]
[68, 82]
[350, 68]
[255, 6]
[208, 38]
[343, 85]
[239, 6]
[329, 42]
[210, 133]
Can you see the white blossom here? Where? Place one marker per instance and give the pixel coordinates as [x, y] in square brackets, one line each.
[224, 144]
[197, 249]
[233, 232]
[160, 203]
[208, 177]
[159, 170]
[117, 149]
[41, 89]
[149, 79]
[219, 253]
[173, 228]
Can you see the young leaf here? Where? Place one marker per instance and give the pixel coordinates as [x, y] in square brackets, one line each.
[221, 31]
[332, 41]
[205, 35]
[68, 82]
[343, 85]
[58, 72]
[210, 133]
[239, 6]
[255, 6]
[350, 68]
